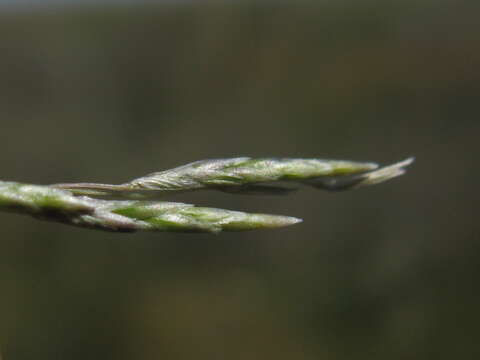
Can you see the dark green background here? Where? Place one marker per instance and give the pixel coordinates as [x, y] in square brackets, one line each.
[108, 94]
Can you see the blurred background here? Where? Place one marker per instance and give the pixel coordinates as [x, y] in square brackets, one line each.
[114, 90]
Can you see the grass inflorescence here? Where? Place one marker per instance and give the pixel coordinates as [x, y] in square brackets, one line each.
[134, 205]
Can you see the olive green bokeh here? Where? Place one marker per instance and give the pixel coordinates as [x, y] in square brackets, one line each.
[387, 272]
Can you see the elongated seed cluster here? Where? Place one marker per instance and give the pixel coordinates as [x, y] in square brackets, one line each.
[131, 206]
